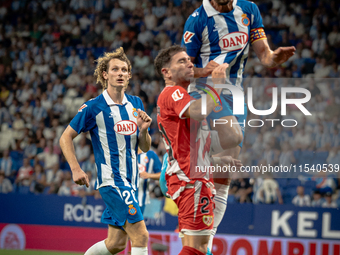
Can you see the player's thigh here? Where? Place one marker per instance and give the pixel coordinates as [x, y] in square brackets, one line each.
[229, 131]
[137, 233]
[116, 239]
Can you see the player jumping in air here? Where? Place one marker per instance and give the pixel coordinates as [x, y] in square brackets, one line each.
[221, 31]
[118, 125]
[181, 123]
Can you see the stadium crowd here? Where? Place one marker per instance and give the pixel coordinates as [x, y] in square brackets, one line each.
[47, 53]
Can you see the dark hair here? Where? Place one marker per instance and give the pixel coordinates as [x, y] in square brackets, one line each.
[164, 57]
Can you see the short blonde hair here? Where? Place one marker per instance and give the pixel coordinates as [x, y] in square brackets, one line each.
[103, 64]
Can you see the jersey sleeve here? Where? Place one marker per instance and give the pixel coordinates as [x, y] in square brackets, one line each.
[179, 101]
[84, 120]
[192, 35]
[256, 28]
[140, 104]
[256, 19]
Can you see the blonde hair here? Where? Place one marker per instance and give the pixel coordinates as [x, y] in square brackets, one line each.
[103, 64]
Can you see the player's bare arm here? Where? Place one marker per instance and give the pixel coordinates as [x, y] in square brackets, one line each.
[218, 77]
[67, 146]
[143, 123]
[146, 175]
[271, 58]
[206, 71]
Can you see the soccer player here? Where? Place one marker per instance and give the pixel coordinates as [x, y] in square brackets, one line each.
[221, 31]
[118, 125]
[149, 169]
[180, 121]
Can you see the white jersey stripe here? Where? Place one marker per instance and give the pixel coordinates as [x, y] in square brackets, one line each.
[106, 168]
[121, 148]
[222, 29]
[205, 47]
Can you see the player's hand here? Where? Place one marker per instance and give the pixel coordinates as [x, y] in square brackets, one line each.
[143, 120]
[219, 75]
[80, 177]
[144, 175]
[228, 160]
[282, 54]
[209, 68]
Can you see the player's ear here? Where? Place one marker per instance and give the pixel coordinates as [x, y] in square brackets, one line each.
[166, 72]
[105, 75]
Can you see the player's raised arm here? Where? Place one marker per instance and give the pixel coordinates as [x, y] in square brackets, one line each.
[67, 146]
[144, 122]
[195, 109]
[205, 71]
[271, 58]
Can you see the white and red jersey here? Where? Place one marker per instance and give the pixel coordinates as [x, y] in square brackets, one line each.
[188, 145]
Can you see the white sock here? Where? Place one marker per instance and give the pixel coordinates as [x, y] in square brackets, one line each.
[139, 250]
[220, 207]
[98, 249]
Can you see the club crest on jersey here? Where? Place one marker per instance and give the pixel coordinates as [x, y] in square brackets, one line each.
[134, 113]
[207, 220]
[177, 95]
[218, 108]
[245, 20]
[82, 107]
[132, 210]
[233, 41]
[187, 36]
[125, 127]
[146, 160]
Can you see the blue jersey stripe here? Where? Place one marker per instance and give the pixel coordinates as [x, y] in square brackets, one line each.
[112, 141]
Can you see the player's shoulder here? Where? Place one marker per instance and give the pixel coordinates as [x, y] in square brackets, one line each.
[92, 104]
[247, 6]
[151, 154]
[174, 92]
[198, 16]
[134, 100]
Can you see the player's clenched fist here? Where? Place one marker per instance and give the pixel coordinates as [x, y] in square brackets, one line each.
[143, 120]
[80, 177]
[219, 74]
[207, 70]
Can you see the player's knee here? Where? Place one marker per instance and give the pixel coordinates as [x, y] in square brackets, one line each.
[140, 239]
[115, 245]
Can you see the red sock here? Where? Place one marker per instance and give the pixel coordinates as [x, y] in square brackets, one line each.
[186, 250]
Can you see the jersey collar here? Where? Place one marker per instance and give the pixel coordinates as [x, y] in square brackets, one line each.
[210, 10]
[109, 100]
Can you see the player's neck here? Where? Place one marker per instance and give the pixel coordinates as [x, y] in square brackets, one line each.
[169, 82]
[222, 8]
[116, 94]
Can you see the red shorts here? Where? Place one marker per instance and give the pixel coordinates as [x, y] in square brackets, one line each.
[195, 209]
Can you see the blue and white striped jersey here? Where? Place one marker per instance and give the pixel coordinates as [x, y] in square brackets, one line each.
[223, 37]
[114, 135]
[150, 163]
